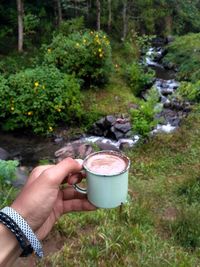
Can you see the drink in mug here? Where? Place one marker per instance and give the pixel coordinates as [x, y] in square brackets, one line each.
[107, 178]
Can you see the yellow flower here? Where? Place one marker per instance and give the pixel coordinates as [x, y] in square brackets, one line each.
[43, 86]
[84, 41]
[91, 32]
[100, 50]
[97, 36]
[36, 84]
[58, 109]
[104, 37]
[12, 108]
[50, 129]
[30, 113]
[49, 50]
[100, 55]
[77, 44]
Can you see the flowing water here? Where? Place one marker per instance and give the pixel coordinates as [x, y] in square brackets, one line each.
[30, 149]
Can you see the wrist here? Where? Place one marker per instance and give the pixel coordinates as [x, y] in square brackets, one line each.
[10, 249]
[24, 234]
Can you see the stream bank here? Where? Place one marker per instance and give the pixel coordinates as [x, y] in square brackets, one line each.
[108, 133]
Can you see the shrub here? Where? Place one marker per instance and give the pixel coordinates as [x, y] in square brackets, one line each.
[70, 26]
[189, 91]
[7, 173]
[143, 119]
[184, 53]
[39, 99]
[137, 78]
[86, 55]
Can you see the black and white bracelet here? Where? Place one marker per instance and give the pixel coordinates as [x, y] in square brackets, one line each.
[22, 231]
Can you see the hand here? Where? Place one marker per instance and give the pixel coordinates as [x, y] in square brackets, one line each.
[42, 201]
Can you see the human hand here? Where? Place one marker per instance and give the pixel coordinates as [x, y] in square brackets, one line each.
[41, 201]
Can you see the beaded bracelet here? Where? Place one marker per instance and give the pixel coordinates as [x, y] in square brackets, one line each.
[20, 228]
[13, 227]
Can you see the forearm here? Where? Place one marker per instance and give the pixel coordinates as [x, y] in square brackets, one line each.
[9, 247]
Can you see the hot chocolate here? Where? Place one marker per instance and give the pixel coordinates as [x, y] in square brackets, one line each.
[106, 164]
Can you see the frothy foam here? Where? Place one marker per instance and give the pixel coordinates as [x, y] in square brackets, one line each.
[106, 164]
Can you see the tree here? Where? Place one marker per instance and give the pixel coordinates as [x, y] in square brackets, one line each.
[109, 15]
[125, 20]
[20, 12]
[59, 8]
[98, 4]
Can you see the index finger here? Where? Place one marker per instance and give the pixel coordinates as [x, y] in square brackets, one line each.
[60, 171]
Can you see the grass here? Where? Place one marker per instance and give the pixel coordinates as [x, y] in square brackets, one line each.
[159, 226]
[113, 99]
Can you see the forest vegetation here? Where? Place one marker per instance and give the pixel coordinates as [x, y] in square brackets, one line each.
[63, 62]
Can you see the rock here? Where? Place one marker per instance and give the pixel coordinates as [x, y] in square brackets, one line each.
[110, 120]
[66, 151]
[116, 133]
[58, 140]
[96, 130]
[129, 134]
[169, 65]
[124, 146]
[106, 146]
[166, 91]
[124, 128]
[4, 155]
[175, 121]
[75, 149]
[112, 127]
[158, 41]
[101, 123]
[167, 104]
[84, 150]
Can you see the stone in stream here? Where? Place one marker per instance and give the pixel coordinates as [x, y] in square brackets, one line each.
[111, 127]
[116, 133]
[75, 149]
[110, 120]
[106, 146]
[4, 155]
[123, 127]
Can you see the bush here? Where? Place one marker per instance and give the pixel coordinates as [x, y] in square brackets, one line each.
[71, 26]
[39, 99]
[86, 55]
[189, 91]
[138, 79]
[184, 53]
[143, 119]
[7, 174]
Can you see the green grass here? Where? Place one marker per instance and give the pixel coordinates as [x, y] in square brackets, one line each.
[164, 176]
[112, 99]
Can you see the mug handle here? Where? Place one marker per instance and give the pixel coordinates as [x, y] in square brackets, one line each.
[80, 189]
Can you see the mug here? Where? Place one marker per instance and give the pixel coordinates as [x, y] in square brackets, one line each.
[106, 190]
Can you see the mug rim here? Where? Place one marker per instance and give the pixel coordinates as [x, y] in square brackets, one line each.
[113, 152]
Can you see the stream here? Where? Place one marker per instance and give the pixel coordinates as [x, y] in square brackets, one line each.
[30, 150]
